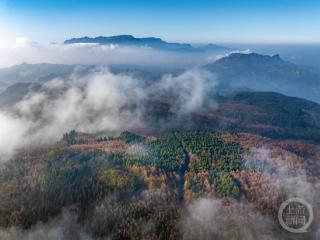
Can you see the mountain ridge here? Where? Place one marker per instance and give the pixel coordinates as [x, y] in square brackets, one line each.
[153, 42]
[258, 72]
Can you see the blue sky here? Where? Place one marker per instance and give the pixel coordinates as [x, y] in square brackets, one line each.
[264, 21]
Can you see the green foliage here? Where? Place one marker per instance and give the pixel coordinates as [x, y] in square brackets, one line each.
[131, 137]
[117, 179]
[45, 184]
[167, 152]
[70, 138]
[164, 154]
[224, 185]
[211, 151]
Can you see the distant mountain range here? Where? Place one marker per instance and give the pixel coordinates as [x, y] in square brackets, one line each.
[265, 73]
[245, 93]
[235, 72]
[152, 42]
[26, 73]
[240, 151]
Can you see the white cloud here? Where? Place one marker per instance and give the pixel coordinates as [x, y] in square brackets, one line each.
[26, 50]
[219, 56]
[12, 131]
[22, 41]
[97, 101]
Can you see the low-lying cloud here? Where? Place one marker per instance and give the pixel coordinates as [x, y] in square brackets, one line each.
[64, 227]
[212, 218]
[96, 101]
[95, 54]
[288, 173]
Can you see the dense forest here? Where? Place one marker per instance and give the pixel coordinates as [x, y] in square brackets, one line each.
[118, 185]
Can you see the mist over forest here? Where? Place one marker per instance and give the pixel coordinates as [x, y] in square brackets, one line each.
[159, 120]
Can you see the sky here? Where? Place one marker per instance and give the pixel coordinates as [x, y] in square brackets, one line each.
[195, 21]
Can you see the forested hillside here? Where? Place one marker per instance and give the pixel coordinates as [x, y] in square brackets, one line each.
[115, 185]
